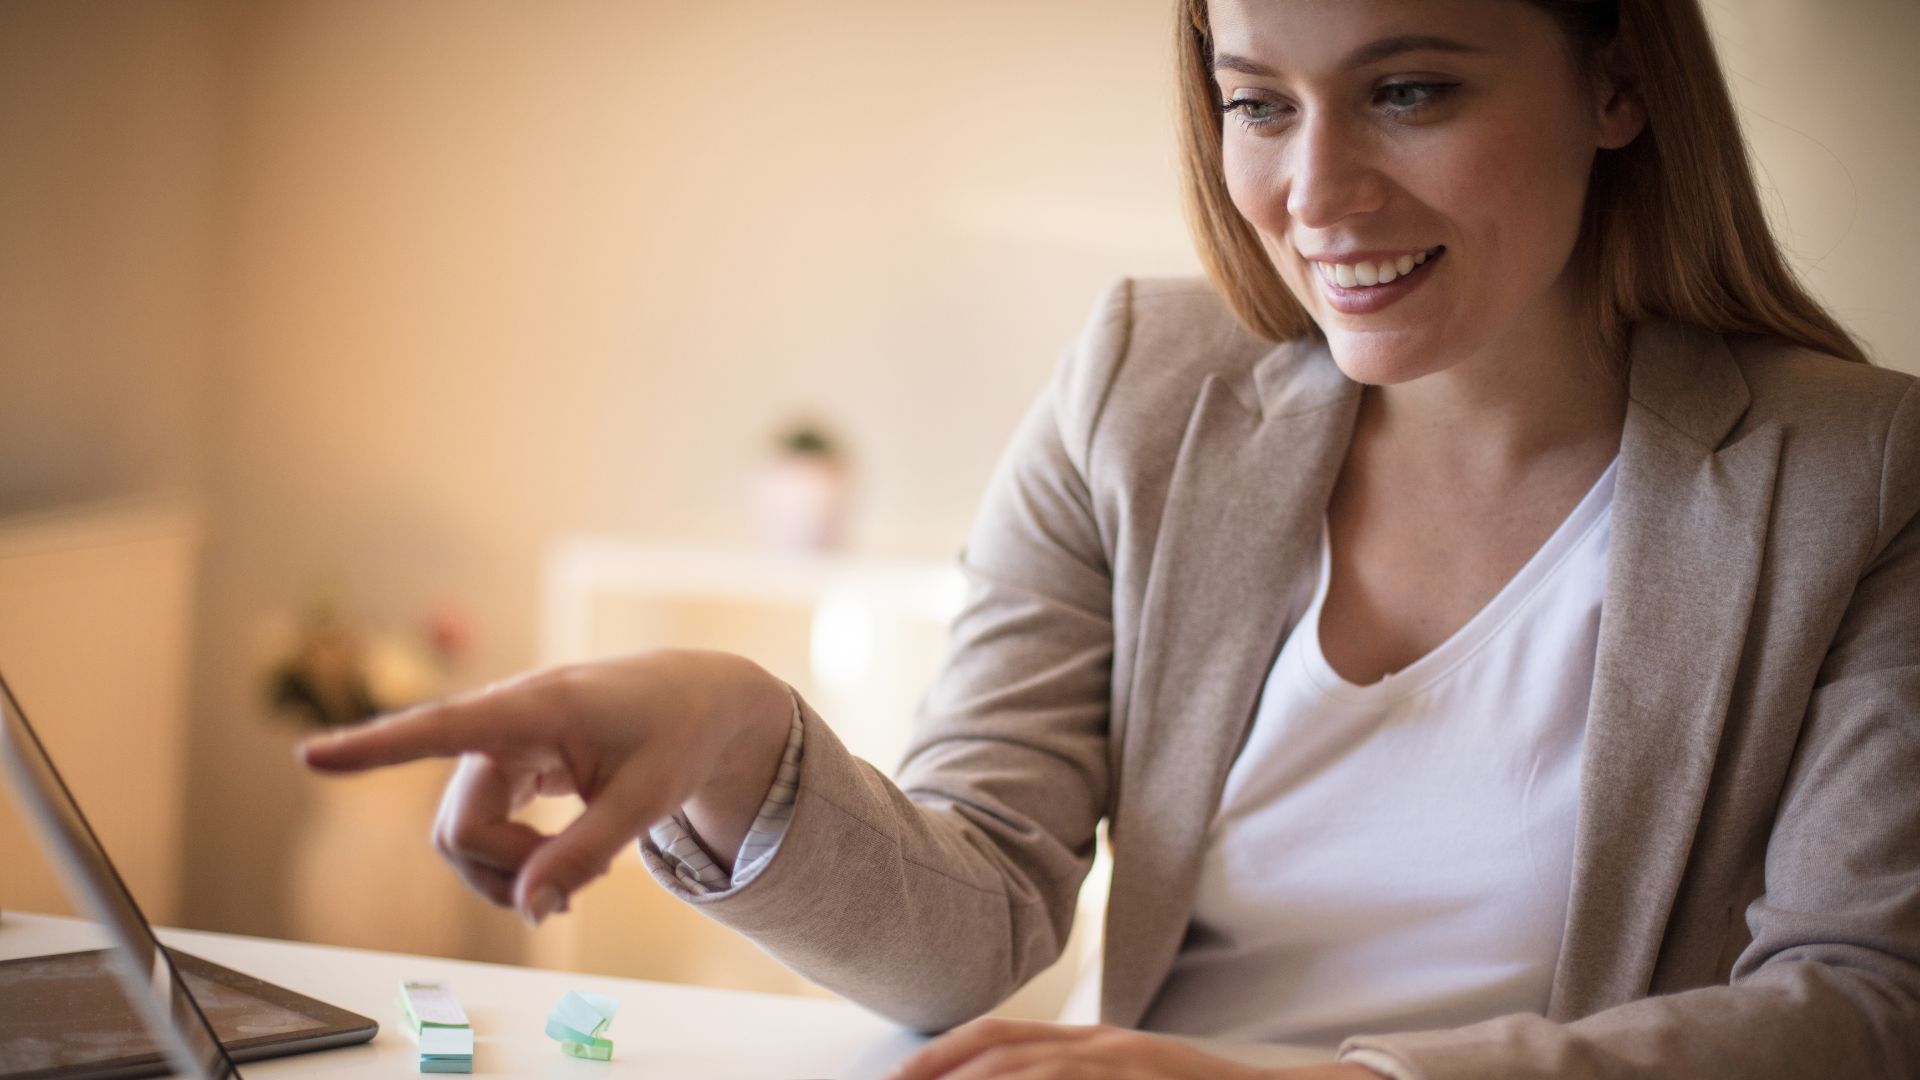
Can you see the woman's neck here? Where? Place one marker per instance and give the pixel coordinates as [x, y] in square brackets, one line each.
[1534, 397]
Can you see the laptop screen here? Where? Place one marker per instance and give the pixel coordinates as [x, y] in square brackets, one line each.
[153, 986]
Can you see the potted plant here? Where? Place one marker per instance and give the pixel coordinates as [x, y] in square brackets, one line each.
[804, 492]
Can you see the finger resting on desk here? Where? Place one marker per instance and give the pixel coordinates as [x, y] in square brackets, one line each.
[1003, 1050]
[964, 1045]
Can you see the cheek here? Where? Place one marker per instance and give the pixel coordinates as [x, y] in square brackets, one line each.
[1251, 179]
[1514, 192]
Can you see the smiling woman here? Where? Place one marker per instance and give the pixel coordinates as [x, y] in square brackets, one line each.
[1672, 226]
[1482, 616]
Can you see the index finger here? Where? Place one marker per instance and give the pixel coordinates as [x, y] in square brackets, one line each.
[441, 729]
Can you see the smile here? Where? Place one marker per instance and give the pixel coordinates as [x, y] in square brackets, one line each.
[1366, 286]
[1366, 274]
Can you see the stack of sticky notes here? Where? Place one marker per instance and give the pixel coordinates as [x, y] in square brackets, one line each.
[580, 1023]
[440, 1025]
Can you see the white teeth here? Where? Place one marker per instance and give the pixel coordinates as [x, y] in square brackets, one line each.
[1363, 274]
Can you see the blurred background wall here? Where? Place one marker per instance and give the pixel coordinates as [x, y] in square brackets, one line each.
[396, 294]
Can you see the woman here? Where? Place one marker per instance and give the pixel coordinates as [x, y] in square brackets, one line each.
[1494, 621]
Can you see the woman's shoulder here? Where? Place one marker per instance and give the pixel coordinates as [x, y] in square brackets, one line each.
[1794, 383]
[1152, 345]
[1827, 403]
[1173, 327]
[1847, 425]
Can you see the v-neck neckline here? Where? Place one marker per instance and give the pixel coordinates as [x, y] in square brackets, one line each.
[1476, 631]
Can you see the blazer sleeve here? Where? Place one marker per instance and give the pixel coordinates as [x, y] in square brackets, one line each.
[1830, 985]
[934, 899]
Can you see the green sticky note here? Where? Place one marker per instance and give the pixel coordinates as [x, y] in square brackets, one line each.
[598, 1050]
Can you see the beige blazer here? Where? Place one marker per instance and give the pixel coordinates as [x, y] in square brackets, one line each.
[1746, 883]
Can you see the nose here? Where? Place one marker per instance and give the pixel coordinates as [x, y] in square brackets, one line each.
[1330, 174]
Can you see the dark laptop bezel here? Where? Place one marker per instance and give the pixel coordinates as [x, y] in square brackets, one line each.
[335, 1026]
[146, 969]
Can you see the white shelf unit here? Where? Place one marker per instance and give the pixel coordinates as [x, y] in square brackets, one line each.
[860, 637]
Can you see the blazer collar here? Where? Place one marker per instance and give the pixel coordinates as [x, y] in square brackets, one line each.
[1687, 377]
[1238, 540]
[1692, 505]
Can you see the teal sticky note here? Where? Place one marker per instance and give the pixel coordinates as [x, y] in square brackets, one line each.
[446, 1042]
[566, 1033]
[579, 1023]
[586, 1012]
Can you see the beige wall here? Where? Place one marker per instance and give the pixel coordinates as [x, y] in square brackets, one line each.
[485, 273]
[109, 129]
[1818, 84]
[110, 123]
[498, 272]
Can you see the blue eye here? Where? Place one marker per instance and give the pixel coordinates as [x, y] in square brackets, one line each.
[1401, 99]
[1411, 97]
[1252, 112]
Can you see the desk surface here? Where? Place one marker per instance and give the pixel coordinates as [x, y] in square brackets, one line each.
[663, 1030]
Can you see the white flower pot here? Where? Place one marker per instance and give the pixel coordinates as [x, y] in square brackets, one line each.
[803, 500]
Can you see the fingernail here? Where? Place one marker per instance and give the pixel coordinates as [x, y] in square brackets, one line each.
[542, 904]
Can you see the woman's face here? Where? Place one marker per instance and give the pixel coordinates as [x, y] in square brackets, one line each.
[1415, 168]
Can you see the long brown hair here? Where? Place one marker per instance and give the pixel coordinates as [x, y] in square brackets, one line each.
[1673, 225]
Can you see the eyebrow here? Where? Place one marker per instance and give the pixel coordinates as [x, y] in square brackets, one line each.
[1370, 53]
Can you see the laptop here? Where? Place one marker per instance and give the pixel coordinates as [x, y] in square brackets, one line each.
[133, 1008]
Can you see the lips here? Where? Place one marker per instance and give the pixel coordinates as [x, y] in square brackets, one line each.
[1368, 272]
[1358, 299]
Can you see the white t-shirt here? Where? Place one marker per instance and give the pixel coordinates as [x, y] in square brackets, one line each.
[1398, 856]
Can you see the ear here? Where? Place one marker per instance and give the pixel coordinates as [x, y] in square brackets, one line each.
[1619, 115]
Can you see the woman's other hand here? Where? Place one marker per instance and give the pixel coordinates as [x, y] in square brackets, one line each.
[636, 738]
[1036, 1051]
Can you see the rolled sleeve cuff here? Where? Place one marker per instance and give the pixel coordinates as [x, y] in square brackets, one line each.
[671, 846]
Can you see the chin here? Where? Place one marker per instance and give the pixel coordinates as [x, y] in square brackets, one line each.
[1382, 359]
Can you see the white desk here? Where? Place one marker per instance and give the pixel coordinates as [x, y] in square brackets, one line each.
[664, 1031]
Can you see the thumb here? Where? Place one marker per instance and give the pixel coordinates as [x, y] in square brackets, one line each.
[571, 858]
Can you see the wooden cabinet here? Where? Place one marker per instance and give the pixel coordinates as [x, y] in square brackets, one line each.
[95, 624]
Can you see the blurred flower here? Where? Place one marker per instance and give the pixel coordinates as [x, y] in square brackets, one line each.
[326, 668]
[451, 631]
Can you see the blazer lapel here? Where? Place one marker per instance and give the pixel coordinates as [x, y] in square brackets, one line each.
[1690, 517]
[1240, 527]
